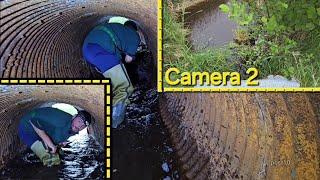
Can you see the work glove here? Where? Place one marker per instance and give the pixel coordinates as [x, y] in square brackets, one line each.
[46, 158]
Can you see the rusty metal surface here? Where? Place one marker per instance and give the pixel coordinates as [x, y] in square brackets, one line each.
[245, 136]
[43, 39]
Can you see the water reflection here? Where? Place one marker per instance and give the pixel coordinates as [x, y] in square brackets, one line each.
[209, 26]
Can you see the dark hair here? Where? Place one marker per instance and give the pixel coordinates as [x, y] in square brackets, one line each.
[85, 116]
[131, 24]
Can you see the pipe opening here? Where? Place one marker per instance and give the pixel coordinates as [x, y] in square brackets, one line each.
[62, 27]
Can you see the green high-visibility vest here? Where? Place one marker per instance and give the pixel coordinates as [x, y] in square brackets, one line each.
[118, 19]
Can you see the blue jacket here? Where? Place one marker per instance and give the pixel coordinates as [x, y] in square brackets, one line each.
[104, 45]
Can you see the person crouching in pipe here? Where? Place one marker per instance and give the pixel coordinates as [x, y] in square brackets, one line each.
[43, 130]
[105, 47]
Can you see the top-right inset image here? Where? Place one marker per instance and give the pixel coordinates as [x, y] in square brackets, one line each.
[241, 44]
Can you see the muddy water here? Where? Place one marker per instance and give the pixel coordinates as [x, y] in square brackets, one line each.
[141, 145]
[209, 26]
[81, 159]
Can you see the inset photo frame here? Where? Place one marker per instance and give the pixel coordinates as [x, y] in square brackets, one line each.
[74, 114]
[222, 46]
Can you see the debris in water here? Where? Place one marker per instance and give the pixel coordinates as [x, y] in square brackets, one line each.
[81, 159]
[142, 143]
[165, 167]
[169, 149]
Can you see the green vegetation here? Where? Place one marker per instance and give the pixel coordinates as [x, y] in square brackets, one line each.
[279, 37]
[178, 53]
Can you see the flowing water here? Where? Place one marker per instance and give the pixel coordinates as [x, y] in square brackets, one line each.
[141, 145]
[209, 26]
[83, 158]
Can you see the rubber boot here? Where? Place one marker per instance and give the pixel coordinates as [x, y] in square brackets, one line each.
[118, 114]
[122, 88]
[46, 158]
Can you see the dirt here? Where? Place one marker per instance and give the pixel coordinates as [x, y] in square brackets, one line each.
[83, 158]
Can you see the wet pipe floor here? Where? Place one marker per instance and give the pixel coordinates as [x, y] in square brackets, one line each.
[141, 145]
[83, 158]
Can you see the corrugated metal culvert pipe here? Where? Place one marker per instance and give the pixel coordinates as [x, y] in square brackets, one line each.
[16, 100]
[227, 136]
[245, 136]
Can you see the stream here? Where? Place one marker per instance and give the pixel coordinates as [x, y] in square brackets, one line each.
[209, 26]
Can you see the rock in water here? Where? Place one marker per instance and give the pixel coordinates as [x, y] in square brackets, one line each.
[165, 167]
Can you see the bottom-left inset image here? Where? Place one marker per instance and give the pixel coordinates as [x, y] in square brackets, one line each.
[55, 131]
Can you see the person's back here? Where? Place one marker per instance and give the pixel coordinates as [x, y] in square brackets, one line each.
[113, 38]
[55, 122]
[127, 39]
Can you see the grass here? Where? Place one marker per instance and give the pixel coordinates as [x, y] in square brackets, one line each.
[297, 60]
[178, 52]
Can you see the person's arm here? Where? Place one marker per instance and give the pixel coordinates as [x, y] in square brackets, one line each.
[46, 139]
